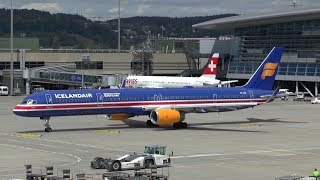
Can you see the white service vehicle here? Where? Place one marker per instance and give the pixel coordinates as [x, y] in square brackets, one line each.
[153, 155]
[300, 97]
[315, 100]
[4, 91]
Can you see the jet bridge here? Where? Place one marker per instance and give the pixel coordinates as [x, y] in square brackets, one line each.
[62, 75]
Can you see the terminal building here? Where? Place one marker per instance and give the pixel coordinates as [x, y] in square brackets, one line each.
[73, 68]
[298, 30]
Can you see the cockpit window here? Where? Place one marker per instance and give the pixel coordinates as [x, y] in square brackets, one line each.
[29, 101]
[24, 101]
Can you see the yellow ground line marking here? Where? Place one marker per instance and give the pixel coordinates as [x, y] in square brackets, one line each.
[105, 131]
[248, 125]
[28, 135]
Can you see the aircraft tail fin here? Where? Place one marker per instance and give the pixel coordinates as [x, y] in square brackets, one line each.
[265, 75]
[212, 67]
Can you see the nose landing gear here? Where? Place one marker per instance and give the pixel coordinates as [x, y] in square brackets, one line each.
[46, 124]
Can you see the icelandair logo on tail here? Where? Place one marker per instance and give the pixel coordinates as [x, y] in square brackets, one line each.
[268, 70]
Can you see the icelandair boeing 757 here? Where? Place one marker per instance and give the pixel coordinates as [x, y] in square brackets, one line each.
[208, 78]
[163, 106]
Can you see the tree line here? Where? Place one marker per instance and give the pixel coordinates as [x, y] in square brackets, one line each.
[75, 31]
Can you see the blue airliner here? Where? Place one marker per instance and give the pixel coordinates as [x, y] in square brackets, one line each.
[163, 106]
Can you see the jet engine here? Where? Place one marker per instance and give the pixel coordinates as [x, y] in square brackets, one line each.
[166, 116]
[118, 116]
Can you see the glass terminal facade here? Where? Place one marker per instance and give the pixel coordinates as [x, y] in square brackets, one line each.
[301, 40]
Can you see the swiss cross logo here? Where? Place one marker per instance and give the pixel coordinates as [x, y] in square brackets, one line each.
[212, 66]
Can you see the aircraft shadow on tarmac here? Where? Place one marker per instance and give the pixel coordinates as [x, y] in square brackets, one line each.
[132, 124]
[250, 121]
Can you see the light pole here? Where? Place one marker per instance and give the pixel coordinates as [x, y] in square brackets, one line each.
[119, 34]
[11, 52]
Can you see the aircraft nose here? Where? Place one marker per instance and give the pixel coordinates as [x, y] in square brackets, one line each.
[16, 110]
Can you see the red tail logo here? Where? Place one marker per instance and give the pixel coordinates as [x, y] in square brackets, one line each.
[212, 65]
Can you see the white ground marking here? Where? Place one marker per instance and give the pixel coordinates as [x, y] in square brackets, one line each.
[223, 159]
[46, 145]
[196, 155]
[81, 150]
[52, 152]
[259, 151]
[12, 175]
[14, 140]
[65, 142]
[285, 155]
[84, 145]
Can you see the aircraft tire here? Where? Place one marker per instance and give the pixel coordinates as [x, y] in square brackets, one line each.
[180, 125]
[150, 124]
[48, 129]
[176, 125]
[184, 125]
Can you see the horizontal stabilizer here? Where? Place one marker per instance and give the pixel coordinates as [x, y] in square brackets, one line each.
[228, 82]
[273, 96]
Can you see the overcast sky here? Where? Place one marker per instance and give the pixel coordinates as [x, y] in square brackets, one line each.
[107, 9]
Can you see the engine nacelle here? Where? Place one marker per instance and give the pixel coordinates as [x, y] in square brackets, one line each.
[118, 116]
[166, 116]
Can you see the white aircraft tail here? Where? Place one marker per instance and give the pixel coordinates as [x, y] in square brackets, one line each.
[211, 70]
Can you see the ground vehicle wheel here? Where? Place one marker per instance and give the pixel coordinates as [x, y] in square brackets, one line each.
[148, 163]
[116, 166]
[96, 163]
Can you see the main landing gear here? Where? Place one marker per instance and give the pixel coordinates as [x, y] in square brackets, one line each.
[149, 123]
[180, 125]
[46, 124]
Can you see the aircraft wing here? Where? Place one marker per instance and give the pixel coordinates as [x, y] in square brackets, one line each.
[202, 107]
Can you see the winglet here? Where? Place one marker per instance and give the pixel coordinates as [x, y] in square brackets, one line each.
[274, 94]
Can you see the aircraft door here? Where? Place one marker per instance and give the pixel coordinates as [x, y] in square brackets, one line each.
[49, 100]
[99, 99]
[214, 97]
[251, 94]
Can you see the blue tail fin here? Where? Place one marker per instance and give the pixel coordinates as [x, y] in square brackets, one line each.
[265, 75]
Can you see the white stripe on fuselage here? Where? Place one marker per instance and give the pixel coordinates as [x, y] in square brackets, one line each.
[147, 106]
